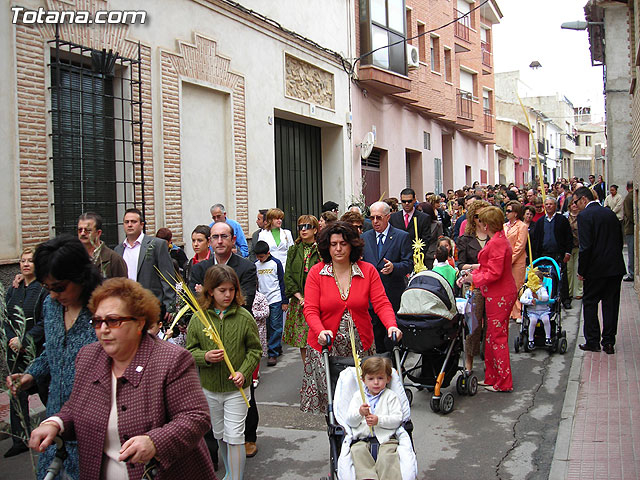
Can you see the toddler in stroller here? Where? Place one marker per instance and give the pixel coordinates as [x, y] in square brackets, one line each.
[396, 458]
[537, 306]
[374, 423]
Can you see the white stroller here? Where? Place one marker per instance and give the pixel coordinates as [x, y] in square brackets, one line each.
[345, 389]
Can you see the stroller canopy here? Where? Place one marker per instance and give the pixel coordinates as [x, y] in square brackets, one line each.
[428, 293]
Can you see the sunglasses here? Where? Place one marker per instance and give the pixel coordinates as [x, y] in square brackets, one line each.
[476, 216]
[538, 206]
[407, 201]
[83, 229]
[508, 211]
[112, 321]
[377, 218]
[305, 226]
[59, 288]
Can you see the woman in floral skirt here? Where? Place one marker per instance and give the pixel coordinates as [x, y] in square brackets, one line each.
[300, 258]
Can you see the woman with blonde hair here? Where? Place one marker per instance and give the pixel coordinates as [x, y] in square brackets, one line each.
[494, 278]
[517, 234]
[469, 245]
[278, 238]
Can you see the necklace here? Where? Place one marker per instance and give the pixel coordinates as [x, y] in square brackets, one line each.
[344, 294]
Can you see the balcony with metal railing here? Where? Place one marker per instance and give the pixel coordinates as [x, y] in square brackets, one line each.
[464, 101]
[462, 26]
[488, 121]
[486, 53]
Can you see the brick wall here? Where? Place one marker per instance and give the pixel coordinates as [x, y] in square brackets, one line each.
[200, 62]
[430, 93]
[32, 81]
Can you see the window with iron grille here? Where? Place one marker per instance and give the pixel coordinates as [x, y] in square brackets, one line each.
[96, 136]
[407, 169]
[427, 140]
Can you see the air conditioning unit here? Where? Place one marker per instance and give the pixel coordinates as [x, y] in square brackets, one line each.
[413, 57]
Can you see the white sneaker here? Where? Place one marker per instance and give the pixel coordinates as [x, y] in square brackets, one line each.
[518, 320]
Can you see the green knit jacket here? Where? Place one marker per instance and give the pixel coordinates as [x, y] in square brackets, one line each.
[294, 274]
[239, 334]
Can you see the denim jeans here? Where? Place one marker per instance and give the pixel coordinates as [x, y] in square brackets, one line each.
[630, 254]
[274, 330]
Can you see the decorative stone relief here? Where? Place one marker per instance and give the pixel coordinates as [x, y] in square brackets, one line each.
[308, 83]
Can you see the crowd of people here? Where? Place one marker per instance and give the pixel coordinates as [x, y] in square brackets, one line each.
[97, 338]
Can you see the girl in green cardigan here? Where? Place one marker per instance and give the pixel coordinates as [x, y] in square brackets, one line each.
[221, 297]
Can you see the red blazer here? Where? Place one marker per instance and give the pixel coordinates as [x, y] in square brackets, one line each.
[159, 395]
[494, 276]
[323, 307]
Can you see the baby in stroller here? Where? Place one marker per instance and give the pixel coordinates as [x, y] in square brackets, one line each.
[535, 299]
[374, 424]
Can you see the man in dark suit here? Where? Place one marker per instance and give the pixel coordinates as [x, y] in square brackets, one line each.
[601, 267]
[222, 241]
[142, 253]
[389, 250]
[404, 219]
[552, 237]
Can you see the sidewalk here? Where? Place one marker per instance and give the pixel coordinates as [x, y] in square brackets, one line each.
[599, 435]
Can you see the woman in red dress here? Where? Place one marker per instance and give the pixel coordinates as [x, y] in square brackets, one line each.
[494, 279]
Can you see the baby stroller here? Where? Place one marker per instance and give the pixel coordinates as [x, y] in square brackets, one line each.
[551, 281]
[341, 378]
[432, 328]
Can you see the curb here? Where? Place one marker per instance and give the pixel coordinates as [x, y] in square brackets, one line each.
[560, 462]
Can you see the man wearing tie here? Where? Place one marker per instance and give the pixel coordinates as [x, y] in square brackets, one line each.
[404, 219]
[389, 250]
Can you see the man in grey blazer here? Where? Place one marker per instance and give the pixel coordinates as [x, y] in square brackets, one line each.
[142, 253]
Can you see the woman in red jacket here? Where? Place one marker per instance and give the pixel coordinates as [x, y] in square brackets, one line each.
[494, 279]
[339, 290]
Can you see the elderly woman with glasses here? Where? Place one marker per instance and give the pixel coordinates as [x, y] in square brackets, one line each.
[136, 399]
[517, 234]
[63, 267]
[300, 258]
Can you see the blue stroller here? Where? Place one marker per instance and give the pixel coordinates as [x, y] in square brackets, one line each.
[551, 281]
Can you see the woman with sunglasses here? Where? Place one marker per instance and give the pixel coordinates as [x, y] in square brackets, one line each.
[300, 258]
[64, 268]
[135, 397]
[517, 234]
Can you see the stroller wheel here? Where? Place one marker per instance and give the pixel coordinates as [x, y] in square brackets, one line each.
[461, 384]
[472, 385]
[446, 403]
[435, 404]
[409, 395]
[562, 346]
[516, 344]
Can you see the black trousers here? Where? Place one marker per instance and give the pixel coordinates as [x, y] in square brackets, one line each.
[380, 336]
[607, 291]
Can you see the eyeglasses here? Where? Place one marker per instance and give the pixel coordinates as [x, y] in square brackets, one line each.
[59, 288]
[111, 321]
[84, 229]
[223, 236]
[305, 226]
[407, 201]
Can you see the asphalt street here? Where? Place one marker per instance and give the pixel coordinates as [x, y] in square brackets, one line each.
[488, 436]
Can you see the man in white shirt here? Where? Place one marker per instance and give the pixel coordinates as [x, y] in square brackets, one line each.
[142, 253]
